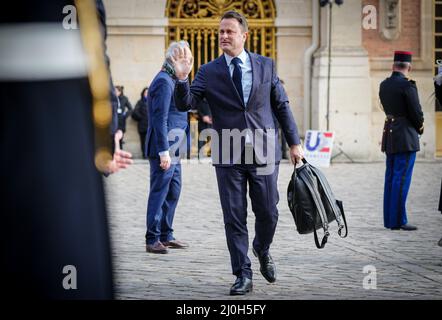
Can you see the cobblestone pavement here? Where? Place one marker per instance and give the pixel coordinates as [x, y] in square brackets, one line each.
[408, 264]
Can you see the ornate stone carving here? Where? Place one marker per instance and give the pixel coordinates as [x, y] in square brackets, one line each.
[390, 14]
[197, 9]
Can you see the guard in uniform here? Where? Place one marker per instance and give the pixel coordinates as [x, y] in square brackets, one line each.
[400, 140]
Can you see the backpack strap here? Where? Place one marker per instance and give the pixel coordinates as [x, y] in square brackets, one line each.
[337, 210]
[291, 190]
[339, 203]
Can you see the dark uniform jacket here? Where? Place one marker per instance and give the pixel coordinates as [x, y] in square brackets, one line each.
[404, 121]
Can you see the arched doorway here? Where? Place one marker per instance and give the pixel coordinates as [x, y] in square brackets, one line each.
[197, 22]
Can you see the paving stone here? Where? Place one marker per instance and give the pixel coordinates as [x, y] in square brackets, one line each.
[408, 264]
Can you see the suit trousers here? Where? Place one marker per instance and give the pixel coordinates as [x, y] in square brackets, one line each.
[165, 189]
[399, 169]
[232, 186]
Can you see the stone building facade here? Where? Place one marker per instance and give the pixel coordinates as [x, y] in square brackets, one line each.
[296, 34]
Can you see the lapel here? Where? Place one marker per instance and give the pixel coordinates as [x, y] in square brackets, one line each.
[223, 70]
[255, 76]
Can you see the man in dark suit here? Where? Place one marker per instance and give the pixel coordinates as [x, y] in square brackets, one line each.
[243, 92]
[166, 131]
[400, 140]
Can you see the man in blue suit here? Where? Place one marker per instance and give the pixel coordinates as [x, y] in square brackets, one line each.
[244, 93]
[165, 142]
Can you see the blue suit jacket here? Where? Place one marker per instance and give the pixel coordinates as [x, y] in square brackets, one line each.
[164, 117]
[267, 100]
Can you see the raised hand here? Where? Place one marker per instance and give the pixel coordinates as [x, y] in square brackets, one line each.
[183, 62]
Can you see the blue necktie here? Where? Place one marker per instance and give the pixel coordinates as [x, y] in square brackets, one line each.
[237, 76]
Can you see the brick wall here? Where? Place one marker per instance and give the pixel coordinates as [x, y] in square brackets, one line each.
[409, 38]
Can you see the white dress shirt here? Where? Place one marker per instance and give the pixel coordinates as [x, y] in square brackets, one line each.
[246, 79]
[246, 70]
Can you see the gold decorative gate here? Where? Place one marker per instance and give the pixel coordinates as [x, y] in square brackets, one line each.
[197, 22]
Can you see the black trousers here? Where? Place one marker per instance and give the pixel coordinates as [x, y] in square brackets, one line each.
[143, 143]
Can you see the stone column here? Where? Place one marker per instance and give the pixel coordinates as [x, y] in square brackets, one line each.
[293, 37]
[350, 84]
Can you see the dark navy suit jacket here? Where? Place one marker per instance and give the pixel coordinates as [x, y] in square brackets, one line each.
[267, 98]
[164, 117]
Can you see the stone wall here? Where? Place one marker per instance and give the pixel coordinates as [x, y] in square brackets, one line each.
[361, 60]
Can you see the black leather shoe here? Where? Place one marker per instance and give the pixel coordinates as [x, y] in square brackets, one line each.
[268, 268]
[440, 243]
[241, 286]
[408, 227]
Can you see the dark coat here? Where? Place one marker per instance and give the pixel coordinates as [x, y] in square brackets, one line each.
[203, 110]
[124, 111]
[404, 122]
[267, 98]
[140, 115]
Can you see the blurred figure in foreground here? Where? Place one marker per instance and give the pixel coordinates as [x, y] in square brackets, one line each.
[54, 230]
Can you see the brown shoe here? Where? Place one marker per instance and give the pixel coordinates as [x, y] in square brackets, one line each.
[175, 244]
[157, 247]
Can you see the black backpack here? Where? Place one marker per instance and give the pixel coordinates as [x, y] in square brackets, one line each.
[313, 204]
